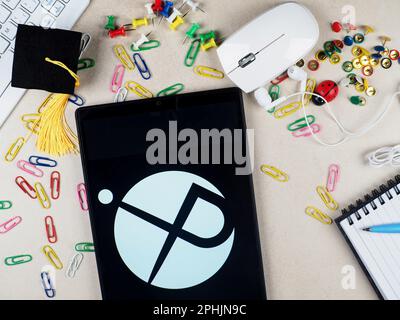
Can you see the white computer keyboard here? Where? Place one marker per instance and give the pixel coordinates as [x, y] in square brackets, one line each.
[60, 14]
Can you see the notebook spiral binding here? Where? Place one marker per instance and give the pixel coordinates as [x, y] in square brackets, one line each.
[376, 195]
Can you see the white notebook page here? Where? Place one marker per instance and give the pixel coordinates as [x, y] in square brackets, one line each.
[380, 253]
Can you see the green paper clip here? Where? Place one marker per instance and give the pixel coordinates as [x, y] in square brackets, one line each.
[5, 204]
[86, 63]
[152, 44]
[16, 260]
[301, 123]
[192, 53]
[84, 247]
[172, 90]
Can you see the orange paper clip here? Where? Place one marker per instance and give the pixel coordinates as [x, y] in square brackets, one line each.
[10, 224]
[333, 177]
[82, 196]
[26, 187]
[30, 168]
[42, 196]
[51, 231]
[55, 185]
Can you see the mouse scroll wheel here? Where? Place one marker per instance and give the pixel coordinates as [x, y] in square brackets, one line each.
[245, 61]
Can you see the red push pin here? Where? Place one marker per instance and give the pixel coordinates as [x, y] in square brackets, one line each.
[120, 32]
[157, 6]
[336, 27]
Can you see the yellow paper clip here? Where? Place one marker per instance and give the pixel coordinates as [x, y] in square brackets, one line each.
[42, 196]
[177, 22]
[287, 110]
[275, 173]
[319, 215]
[208, 72]
[14, 149]
[45, 103]
[123, 56]
[139, 22]
[327, 198]
[208, 45]
[31, 122]
[311, 84]
[138, 89]
[52, 257]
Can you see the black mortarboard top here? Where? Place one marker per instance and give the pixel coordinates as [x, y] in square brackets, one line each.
[32, 46]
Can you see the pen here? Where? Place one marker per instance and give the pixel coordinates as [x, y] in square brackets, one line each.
[387, 228]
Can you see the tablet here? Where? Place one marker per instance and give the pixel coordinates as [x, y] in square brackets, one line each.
[171, 205]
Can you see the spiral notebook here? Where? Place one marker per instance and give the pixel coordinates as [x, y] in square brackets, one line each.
[378, 254]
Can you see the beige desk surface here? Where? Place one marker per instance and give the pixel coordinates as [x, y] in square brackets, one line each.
[303, 259]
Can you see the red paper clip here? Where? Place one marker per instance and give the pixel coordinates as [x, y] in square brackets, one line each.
[333, 177]
[281, 78]
[50, 229]
[82, 196]
[55, 185]
[117, 79]
[29, 168]
[10, 224]
[26, 187]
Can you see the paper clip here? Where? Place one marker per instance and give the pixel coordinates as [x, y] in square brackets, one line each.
[5, 205]
[319, 215]
[333, 177]
[45, 103]
[16, 260]
[55, 185]
[47, 285]
[301, 123]
[121, 95]
[287, 110]
[208, 72]
[306, 132]
[51, 231]
[86, 63]
[33, 126]
[281, 78]
[327, 198]
[77, 100]
[10, 224]
[29, 168]
[26, 187]
[172, 90]
[152, 44]
[85, 42]
[138, 89]
[275, 173]
[82, 196]
[14, 149]
[311, 84]
[52, 257]
[74, 265]
[123, 56]
[117, 79]
[42, 162]
[142, 66]
[30, 117]
[84, 247]
[42, 196]
[192, 53]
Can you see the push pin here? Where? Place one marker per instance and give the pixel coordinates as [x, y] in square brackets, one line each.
[165, 12]
[150, 12]
[204, 37]
[208, 45]
[385, 39]
[143, 39]
[368, 30]
[336, 26]
[110, 23]
[157, 6]
[139, 22]
[191, 33]
[177, 22]
[349, 27]
[193, 5]
[121, 32]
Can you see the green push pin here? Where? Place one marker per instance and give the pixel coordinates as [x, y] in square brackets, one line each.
[111, 23]
[358, 101]
[191, 33]
[204, 37]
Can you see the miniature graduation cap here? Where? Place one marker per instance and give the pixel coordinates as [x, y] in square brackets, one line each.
[31, 70]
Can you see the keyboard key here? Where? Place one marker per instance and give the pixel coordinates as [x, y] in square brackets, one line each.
[11, 3]
[30, 5]
[4, 14]
[57, 8]
[47, 4]
[19, 16]
[3, 45]
[47, 21]
[9, 30]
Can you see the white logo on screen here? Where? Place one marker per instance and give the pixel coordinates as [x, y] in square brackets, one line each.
[171, 229]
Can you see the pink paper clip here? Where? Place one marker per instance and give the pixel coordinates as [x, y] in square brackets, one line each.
[281, 78]
[82, 196]
[117, 79]
[29, 168]
[10, 224]
[333, 177]
[306, 132]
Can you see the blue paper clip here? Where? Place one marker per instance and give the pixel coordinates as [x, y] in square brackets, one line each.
[47, 285]
[142, 66]
[77, 100]
[42, 161]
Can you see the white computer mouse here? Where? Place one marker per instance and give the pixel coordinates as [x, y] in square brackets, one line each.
[269, 45]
